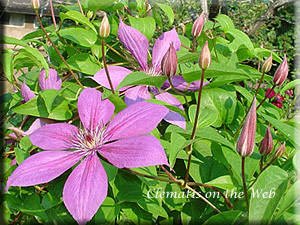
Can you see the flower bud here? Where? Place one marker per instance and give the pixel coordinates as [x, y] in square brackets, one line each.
[104, 28]
[35, 4]
[246, 141]
[169, 62]
[198, 26]
[280, 151]
[204, 60]
[281, 72]
[266, 145]
[267, 64]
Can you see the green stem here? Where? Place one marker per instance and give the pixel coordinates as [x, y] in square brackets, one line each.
[189, 148]
[261, 163]
[105, 66]
[194, 44]
[53, 45]
[244, 183]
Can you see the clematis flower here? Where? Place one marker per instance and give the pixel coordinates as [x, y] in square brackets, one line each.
[137, 44]
[123, 142]
[53, 81]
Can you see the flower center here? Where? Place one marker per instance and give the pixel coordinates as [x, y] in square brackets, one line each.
[88, 141]
[151, 72]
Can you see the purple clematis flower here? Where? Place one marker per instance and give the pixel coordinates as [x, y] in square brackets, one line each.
[123, 142]
[137, 44]
[53, 81]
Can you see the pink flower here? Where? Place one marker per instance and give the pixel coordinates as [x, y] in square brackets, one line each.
[123, 142]
[270, 95]
[279, 98]
[277, 104]
[289, 92]
[53, 81]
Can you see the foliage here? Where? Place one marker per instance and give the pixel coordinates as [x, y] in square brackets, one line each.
[215, 165]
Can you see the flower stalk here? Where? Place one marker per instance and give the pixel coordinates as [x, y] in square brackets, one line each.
[53, 45]
[244, 183]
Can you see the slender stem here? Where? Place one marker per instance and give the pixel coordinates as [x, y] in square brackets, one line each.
[213, 188]
[244, 183]
[189, 148]
[194, 44]
[24, 120]
[261, 163]
[16, 218]
[288, 109]
[62, 58]
[266, 97]
[151, 177]
[105, 66]
[11, 137]
[186, 47]
[259, 84]
[204, 199]
[167, 172]
[115, 51]
[178, 92]
[52, 14]
[78, 1]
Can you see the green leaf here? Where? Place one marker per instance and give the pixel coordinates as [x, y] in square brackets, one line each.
[145, 25]
[225, 22]
[177, 142]
[207, 116]
[84, 63]
[48, 105]
[266, 195]
[296, 160]
[290, 85]
[240, 38]
[95, 5]
[78, 17]
[289, 132]
[260, 53]
[7, 63]
[21, 154]
[168, 11]
[169, 106]
[69, 90]
[223, 182]
[228, 217]
[107, 212]
[38, 33]
[188, 57]
[12, 41]
[139, 78]
[50, 200]
[289, 198]
[86, 38]
[36, 57]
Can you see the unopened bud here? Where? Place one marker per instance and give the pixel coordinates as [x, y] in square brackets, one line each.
[205, 57]
[246, 141]
[89, 14]
[104, 28]
[266, 145]
[198, 26]
[35, 4]
[280, 151]
[267, 64]
[281, 72]
[169, 62]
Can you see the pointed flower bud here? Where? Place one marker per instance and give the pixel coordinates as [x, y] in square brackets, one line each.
[246, 141]
[35, 4]
[169, 62]
[204, 60]
[198, 26]
[280, 151]
[266, 145]
[267, 64]
[104, 28]
[281, 72]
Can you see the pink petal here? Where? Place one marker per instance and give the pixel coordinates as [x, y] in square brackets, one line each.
[135, 42]
[138, 119]
[116, 73]
[172, 117]
[162, 45]
[56, 136]
[26, 93]
[85, 189]
[135, 152]
[136, 94]
[53, 81]
[180, 84]
[39, 122]
[93, 111]
[42, 167]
